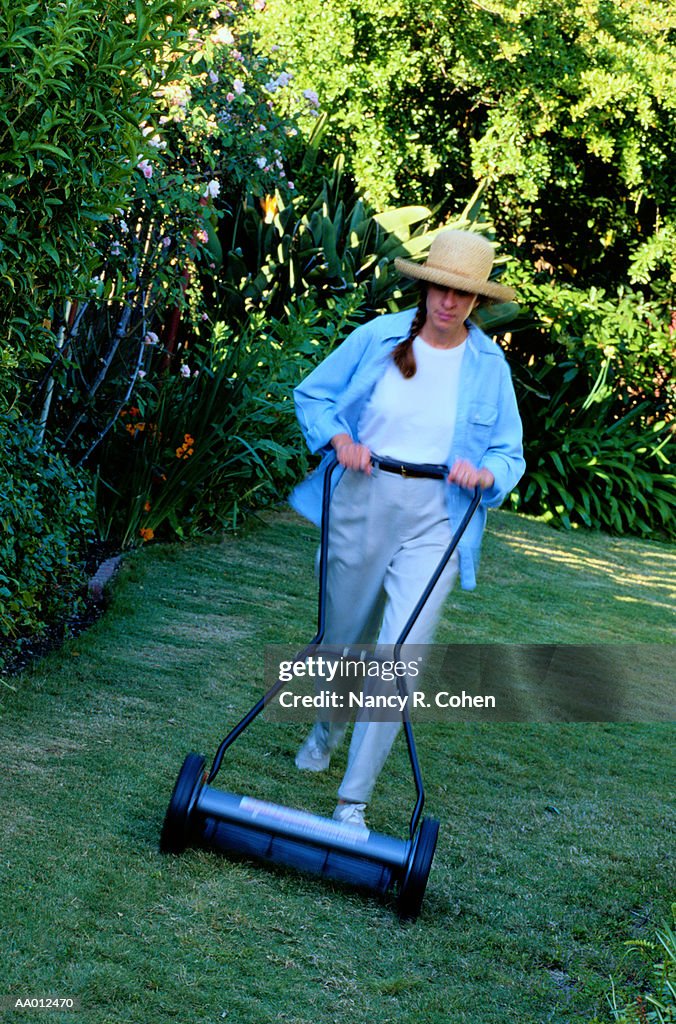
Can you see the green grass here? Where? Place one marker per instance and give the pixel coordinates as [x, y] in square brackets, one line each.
[555, 839]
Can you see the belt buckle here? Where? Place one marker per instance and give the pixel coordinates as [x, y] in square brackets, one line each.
[403, 471]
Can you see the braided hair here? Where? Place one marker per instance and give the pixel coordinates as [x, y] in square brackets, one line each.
[403, 352]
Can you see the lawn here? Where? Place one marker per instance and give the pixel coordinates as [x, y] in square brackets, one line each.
[555, 844]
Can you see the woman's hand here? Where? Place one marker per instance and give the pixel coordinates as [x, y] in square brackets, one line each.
[464, 474]
[351, 454]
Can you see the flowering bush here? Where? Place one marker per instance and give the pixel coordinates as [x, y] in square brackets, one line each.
[212, 142]
[214, 138]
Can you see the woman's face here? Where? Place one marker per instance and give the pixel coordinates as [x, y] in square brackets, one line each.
[448, 308]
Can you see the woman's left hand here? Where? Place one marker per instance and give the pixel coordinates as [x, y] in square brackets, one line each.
[464, 474]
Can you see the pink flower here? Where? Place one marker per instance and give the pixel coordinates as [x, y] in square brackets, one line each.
[213, 77]
[230, 97]
[185, 370]
[166, 242]
[259, 5]
[202, 236]
[238, 86]
[146, 169]
[151, 338]
[312, 97]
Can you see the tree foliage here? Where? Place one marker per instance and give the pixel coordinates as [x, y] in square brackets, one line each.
[565, 110]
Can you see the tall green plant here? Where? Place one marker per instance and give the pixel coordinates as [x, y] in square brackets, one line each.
[76, 82]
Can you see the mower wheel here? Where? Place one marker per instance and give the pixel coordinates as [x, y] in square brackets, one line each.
[413, 887]
[176, 830]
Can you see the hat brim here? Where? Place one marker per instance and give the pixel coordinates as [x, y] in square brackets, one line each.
[435, 275]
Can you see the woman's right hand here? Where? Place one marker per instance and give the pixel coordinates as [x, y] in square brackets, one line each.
[351, 454]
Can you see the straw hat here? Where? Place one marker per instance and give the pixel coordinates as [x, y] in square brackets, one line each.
[461, 260]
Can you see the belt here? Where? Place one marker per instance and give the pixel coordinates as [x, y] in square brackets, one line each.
[413, 469]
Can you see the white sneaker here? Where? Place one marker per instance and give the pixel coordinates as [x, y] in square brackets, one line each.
[313, 756]
[350, 814]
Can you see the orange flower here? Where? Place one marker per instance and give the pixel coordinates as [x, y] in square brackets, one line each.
[147, 533]
[186, 449]
[147, 507]
[270, 208]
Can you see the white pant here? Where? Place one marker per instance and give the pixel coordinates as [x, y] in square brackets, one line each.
[387, 535]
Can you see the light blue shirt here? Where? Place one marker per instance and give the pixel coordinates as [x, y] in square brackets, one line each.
[487, 431]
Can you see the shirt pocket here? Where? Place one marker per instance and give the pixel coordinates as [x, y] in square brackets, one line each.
[482, 417]
[481, 422]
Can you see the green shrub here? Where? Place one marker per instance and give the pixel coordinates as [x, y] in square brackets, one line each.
[46, 522]
[599, 408]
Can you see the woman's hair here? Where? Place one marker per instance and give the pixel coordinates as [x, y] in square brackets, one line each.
[403, 352]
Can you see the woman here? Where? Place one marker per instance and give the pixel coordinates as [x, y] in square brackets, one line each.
[421, 388]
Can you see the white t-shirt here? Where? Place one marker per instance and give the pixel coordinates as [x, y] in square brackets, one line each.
[413, 420]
